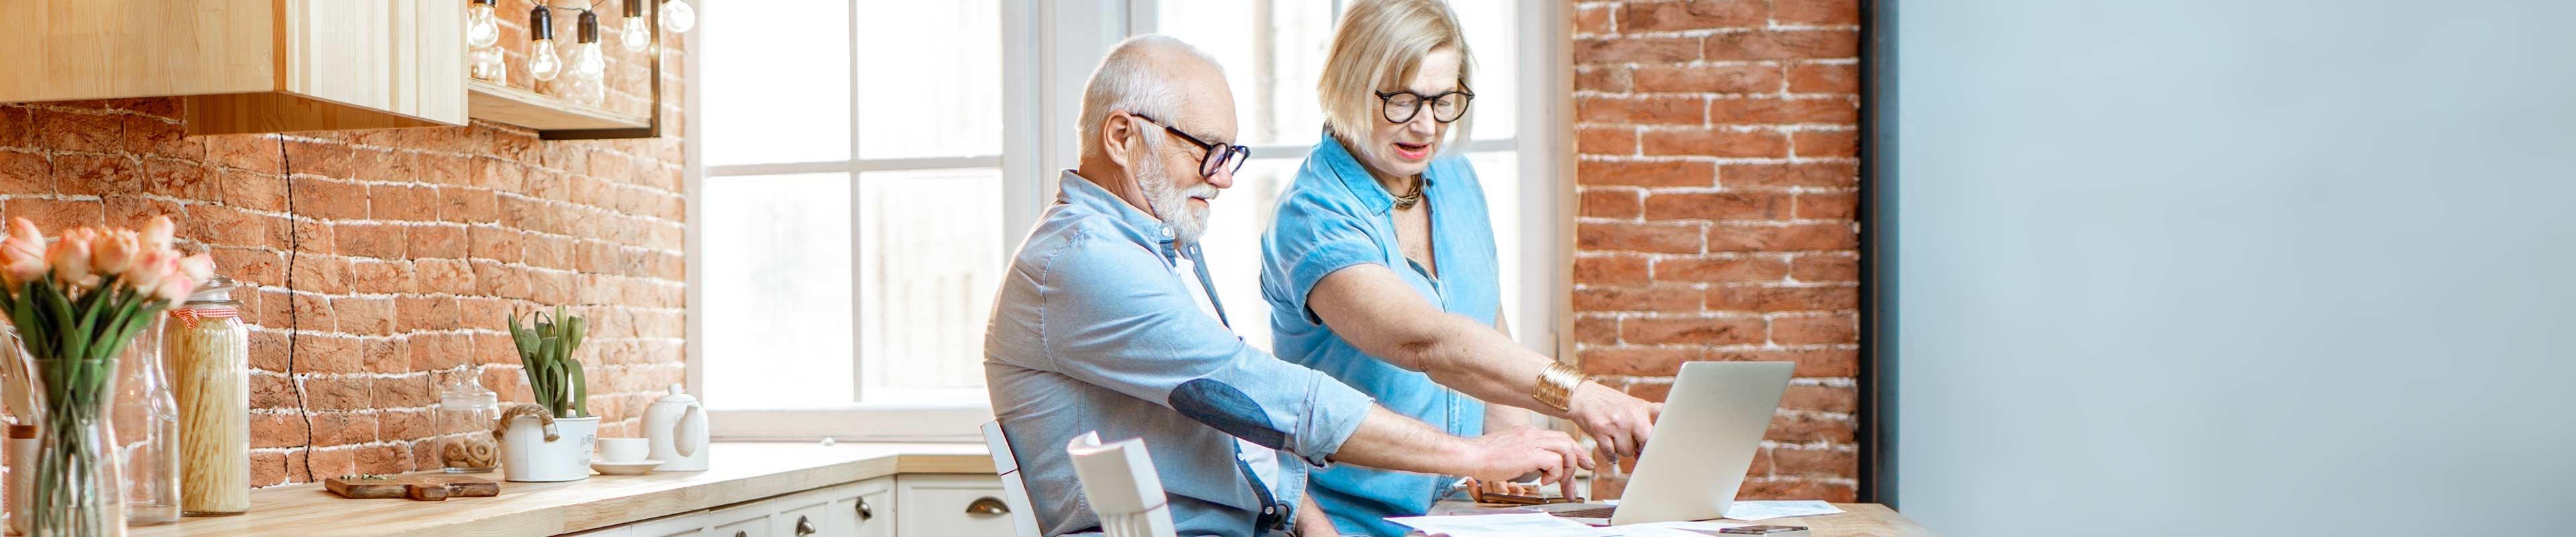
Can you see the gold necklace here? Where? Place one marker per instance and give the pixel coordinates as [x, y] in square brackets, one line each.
[1411, 197]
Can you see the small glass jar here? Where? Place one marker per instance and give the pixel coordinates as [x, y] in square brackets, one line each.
[466, 414]
[208, 349]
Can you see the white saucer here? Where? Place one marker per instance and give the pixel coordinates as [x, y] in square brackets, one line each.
[624, 468]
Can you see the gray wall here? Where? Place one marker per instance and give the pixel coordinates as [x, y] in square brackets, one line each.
[2306, 266]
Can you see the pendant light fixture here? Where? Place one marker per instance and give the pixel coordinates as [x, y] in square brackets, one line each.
[677, 16]
[543, 64]
[482, 41]
[588, 82]
[638, 32]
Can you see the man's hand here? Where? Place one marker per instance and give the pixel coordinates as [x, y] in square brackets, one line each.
[1508, 454]
[1618, 423]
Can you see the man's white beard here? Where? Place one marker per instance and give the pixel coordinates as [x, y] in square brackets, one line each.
[1172, 205]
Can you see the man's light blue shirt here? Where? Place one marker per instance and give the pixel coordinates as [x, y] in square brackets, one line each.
[1336, 216]
[1092, 331]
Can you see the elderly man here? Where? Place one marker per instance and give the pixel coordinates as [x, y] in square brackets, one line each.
[1104, 322]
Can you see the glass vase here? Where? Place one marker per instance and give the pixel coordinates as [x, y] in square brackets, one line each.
[147, 431]
[77, 486]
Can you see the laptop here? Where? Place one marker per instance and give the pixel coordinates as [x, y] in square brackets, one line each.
[1712, 422]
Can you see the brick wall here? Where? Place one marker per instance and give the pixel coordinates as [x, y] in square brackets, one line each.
[1718, 185]
[385, 261]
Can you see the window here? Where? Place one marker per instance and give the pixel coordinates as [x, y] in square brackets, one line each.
[848, 209]
[861, 169]
[1273, 53]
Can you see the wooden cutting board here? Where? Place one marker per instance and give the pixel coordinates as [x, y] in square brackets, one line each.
[427, 487]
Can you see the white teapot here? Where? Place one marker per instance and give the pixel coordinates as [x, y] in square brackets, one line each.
[676, 426]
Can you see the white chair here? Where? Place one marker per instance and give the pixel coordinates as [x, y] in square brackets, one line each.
[1119, 481]
[1015, 492]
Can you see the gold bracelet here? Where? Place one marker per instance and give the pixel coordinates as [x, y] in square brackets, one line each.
[1556, 385]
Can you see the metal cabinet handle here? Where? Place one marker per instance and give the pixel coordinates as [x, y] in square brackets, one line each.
[988, 505]
[865, 512]
[803, 526]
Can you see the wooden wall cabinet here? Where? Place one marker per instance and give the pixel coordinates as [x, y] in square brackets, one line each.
[245, 65]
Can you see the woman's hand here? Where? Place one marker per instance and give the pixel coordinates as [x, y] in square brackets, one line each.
[1509, 454]
[1618, 423]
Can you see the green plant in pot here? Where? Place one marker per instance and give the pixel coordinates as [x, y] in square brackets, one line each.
[549, 439]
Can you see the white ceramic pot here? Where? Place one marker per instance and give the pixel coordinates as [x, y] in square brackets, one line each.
[527, 456]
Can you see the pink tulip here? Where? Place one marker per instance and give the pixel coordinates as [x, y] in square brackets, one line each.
[20, 262]
[151, 268]
[70, 259]
[198, 268]
[174, 289]
[156, 232]
[115, 253]
[24, 233]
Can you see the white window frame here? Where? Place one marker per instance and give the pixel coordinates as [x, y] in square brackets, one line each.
[1048, 50]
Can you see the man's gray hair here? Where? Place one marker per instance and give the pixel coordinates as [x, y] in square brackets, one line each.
[1128, 79]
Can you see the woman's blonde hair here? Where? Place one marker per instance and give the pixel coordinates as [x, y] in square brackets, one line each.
[1379, 45]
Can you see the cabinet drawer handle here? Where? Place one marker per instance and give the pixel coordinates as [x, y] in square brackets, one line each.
[864, 511]
[988, 505]
[804, 527]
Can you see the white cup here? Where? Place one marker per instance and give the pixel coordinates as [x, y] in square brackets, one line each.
[621, 449]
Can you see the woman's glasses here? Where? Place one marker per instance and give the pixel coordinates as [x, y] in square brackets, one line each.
[1401, 106]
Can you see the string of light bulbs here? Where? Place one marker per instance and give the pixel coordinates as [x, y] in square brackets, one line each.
[588, 66]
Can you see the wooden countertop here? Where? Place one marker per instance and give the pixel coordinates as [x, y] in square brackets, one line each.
[1856, 520]
[738, 472]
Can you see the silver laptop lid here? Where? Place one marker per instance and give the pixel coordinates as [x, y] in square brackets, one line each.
[1712, 422]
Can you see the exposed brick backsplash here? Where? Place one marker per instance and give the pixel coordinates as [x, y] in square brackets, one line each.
[1717, 185]
[384, 262]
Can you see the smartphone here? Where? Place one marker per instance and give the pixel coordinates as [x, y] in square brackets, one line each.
[1766, 530]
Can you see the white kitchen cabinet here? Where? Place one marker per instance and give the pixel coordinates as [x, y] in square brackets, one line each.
[871, 513]
[830, 511]
[742, 520]
[611, 531]
[951, 505]
[926, 505]
[680, 525]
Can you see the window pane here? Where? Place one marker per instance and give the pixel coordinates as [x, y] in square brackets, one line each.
[775, 78]
[930, 81]
[1236, 221]
[1272, 60]
[931, 257]
[1489, 33]
[776, 252]
[1499, 172]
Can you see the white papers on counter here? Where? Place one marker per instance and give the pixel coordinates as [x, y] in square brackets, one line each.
[1770, 509]
[1492, 525]
[1542, 525]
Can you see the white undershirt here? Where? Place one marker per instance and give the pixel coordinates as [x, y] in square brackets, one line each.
[1264, 461]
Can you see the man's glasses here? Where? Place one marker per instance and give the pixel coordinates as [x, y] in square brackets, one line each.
[1401, 106]
[1224, 157]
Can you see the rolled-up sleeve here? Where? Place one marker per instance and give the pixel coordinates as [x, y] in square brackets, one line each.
[1309, 241]
[1115, 316]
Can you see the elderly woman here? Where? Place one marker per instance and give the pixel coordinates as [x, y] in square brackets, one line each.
[1380, 269]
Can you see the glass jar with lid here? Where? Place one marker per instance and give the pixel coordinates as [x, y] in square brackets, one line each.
[466, 414]
[208, 350]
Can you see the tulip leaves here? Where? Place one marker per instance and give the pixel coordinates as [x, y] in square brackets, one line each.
[545, 349]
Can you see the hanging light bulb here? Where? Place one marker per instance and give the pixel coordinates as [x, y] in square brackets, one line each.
[638, 33]
[587, 81]
[677, 16]
[482, 29]
[542, 62]
[482, 37]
